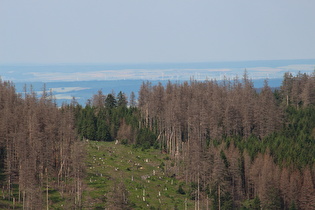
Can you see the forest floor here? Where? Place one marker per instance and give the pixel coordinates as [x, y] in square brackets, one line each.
[114, 170]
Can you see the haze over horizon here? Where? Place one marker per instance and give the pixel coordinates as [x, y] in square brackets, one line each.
[158, 72]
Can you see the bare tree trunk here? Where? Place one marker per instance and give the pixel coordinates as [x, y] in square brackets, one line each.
[47, 198]
[207, 202]
[24, 200]
[219, 196]
[198, 197]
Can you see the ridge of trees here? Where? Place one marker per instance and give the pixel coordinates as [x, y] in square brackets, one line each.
[238, 145]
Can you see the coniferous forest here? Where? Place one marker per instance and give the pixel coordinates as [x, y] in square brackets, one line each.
[235, 146]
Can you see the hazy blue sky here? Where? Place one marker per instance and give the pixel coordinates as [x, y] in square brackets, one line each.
[114, 31]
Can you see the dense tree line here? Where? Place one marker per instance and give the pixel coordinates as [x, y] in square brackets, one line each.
[110, 117]
[239, 148]
[208, 111]
[39, 148]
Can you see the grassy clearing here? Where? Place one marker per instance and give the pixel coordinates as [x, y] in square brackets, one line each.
[140, 172]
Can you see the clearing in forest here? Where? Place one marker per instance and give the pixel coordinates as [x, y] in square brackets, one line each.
[124, 177]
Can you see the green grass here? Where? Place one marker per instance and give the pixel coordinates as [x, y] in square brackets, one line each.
[147, 184]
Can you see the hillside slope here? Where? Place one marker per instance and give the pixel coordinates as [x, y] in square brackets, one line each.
[124, 177]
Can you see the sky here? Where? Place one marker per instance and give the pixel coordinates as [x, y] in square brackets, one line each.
[146, 31]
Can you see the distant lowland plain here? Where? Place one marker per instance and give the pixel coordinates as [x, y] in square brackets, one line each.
[81, 81]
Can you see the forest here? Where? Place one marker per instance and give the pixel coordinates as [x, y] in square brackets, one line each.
[238, 147]
[234, 146]
[39, 149]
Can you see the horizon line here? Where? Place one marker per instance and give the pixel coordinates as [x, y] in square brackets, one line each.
[146, 63]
